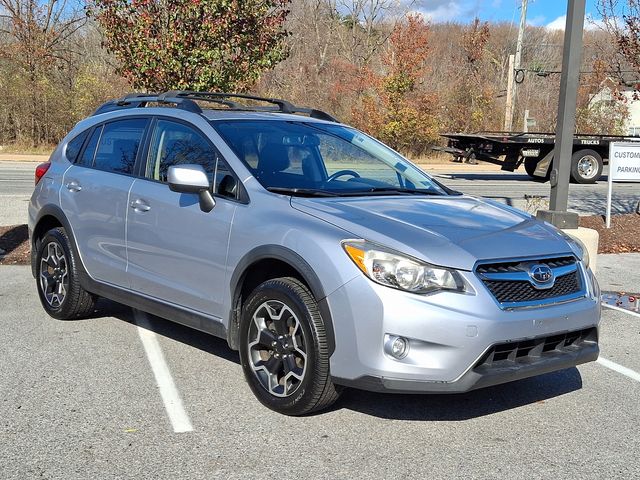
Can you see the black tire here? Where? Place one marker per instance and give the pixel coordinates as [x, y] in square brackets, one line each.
[586, 166]
[311, 388]
[530, 165]
[76, 301]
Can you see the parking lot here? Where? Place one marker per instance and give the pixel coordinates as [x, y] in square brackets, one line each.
[123, 395]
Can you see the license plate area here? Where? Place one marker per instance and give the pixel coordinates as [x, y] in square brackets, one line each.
[530, 152]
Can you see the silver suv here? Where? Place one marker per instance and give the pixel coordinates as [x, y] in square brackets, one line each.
[326, 258]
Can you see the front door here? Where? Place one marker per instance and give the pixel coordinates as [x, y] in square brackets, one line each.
[177, 252]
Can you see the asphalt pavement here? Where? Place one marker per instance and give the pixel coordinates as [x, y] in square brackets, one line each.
[16, 186]
[80, 399]
[518, 190]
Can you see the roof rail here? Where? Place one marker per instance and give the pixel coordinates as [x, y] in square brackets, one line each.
[283, 106]
[135, 100]
[185, 99]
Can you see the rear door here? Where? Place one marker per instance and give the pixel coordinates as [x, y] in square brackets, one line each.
[177, 252]
[94, 196]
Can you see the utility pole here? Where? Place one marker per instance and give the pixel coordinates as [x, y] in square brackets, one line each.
[514, 64]
[523, 24]
[571, 60]
[508, 113]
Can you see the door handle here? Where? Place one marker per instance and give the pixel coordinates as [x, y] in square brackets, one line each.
[140, 205]
[73, 186]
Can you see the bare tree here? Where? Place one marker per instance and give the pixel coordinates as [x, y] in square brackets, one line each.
[35, 41]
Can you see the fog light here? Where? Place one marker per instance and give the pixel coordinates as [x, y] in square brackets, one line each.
[399, 347]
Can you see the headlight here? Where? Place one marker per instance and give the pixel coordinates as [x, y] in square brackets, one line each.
[578, 247]
[393, 269]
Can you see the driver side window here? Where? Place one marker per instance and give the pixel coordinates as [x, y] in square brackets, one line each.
[177, 144]
[174, 143]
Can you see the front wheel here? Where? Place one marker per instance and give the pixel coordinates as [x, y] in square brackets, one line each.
[283, 348]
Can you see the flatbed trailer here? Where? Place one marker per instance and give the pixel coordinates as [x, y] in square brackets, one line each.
[534, 151]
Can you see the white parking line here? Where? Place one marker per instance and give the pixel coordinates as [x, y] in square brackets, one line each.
[623, 310]
[168, 391]
[627, 372]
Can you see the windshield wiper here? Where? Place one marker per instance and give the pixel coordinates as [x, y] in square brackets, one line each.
[302, 192]
[389, 191]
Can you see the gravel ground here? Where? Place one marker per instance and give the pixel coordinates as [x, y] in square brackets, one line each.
[622, 237]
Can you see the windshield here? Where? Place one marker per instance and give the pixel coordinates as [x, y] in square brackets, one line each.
[305, 158]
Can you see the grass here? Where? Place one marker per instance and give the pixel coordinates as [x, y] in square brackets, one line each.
[24, 149]
[433, 158]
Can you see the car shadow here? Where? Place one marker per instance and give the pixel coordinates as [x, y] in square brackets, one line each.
[462, 406]
[166, 328]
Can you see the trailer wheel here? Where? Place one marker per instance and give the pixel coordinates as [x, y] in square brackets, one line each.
[586, 166]
[530, 165]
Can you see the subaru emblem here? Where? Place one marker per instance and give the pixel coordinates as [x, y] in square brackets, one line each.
[541, 276]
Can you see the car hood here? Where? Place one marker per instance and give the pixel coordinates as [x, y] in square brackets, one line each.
[452, 231]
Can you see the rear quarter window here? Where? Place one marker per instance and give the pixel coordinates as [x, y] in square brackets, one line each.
[86, 159]
[75, 145]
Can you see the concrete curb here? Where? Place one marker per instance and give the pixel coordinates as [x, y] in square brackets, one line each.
[590, 239]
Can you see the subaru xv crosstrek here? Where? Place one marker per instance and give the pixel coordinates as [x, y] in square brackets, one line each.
[326, 258]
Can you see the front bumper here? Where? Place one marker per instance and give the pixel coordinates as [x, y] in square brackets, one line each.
[485, 376]
[450, 336]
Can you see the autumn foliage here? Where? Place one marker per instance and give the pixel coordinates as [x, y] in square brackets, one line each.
[394, 106]
[193, 44]
[370, 63]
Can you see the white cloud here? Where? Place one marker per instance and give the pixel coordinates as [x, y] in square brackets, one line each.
[590, 23]
[443, 11]
[558, 24]
[536, 21]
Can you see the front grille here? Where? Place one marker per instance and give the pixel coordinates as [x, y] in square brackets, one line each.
[523, 291]
[511, 285]
[529, 351]
[504, 267]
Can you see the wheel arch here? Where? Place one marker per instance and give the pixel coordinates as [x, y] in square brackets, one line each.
[52, 216]
[265, 263]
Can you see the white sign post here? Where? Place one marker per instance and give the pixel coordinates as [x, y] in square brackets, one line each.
[624, 166]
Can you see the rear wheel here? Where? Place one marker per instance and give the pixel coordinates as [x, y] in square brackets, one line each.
[586, 166]
[57, 278]
[283, 348]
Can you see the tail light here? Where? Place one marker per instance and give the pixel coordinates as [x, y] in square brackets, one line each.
[41, 170]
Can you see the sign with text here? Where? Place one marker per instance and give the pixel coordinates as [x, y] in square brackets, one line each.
[624, 162]
[624, 166]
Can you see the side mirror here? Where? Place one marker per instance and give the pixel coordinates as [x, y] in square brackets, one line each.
[191, 179]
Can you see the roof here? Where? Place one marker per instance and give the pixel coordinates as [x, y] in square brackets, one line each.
[215, 114]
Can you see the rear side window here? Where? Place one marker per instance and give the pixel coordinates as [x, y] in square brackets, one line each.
[74, 146]
[86, 159]
[119, 144]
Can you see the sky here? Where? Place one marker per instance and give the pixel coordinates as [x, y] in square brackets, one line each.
[540, 13]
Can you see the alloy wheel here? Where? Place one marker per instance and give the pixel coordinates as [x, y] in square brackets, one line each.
[277, 348]
[54, 275]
